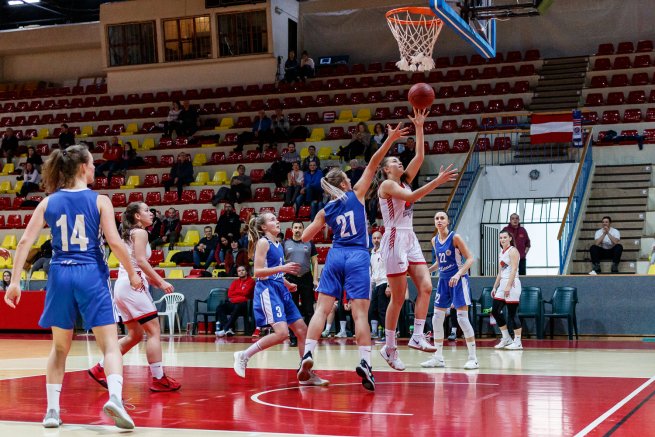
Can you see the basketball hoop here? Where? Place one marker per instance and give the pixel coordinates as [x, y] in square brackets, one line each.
[416, 30]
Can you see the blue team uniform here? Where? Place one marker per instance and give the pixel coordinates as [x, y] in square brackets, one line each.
[78, 281]
[273, 302]
[449, 263]
[348, 262]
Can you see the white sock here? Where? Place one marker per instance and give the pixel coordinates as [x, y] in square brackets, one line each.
[374, 326]
[53, 391]
[343, 324]
[328, 326]
[418, 327]
[517, 337]
[390, 338]
[157, 370]
[365, 354]
[252, 350]
[471, 348]
[453, 330]
[505, 333]
[115, 386]
[102, 362]
[310, 345]
[439, 352]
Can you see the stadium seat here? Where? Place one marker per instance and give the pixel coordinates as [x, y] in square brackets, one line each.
[304, 212]
[189, 196]
[167, 262]
[287, 214]
[257, 175]
[9, 241]
[176, 274]
[170, 198]
[619, 80]
[262, 194]
[610, 117]
[636, 97]
[151, 180]
[208, 216]
[132, 182]
[602, 64]
[461, 145]
[202, 177]
[632, 116]
[483, 144]
[322, 254]
[112, 261]
[639, 79]
[644, 46]
[189, 217]
[191, 238]
[594, 99]
[615, 98]
[621, 63]
[206, 195]
[156, 257]
[118, 200]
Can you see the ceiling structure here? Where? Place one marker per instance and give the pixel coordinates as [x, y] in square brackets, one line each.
[48, 12]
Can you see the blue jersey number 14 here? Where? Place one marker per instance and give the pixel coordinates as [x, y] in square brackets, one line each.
[79, 232]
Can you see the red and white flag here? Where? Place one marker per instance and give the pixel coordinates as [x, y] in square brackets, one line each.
[551, 128]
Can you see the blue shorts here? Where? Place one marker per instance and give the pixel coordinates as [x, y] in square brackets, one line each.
[273, 304]
[459, 295]
[77, 289]
[346, 269]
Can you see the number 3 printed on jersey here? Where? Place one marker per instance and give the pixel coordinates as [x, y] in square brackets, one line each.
[79, 232]
[345, 220]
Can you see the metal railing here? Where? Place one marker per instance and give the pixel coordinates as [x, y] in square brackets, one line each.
[574, 204]
[463, 185]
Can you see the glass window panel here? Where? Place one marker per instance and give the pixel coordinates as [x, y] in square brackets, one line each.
[131, 44]
[242, 33]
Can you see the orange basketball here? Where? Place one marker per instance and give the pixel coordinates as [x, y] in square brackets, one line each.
[421, 95]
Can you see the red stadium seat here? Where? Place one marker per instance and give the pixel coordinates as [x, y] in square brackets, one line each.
[440, 147]
[322, 254]
[641, 61]
[278, 193]
[636, 97]
[469, 125]
[150, 180]
[610, 117]
[101, 183]
[189, 217]
[639, 79]
[304, 212]
[632, 116]
[605, 49]
[644, 46]
[262, 194]
[502, 143]
[118, 200]
[135, 196]
[208, 216]
[483, 144]
[461, 145]
[594, 99]
[599, 82]
[619, 80]
[170, 198]
[616, 98]
[257, 175]
[116, 181]
[625, 47]
[266, 209]
[156, 257]
[448, 126]
[245, 214]
[287, 214]
[14, 221]
[650, 115]
[189, 196]
[621, 63]
[206, 195]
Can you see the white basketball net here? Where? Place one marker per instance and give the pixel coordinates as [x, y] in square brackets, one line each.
[416, 33]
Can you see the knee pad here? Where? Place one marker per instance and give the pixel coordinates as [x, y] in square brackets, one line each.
[437, 324]
[465, 324]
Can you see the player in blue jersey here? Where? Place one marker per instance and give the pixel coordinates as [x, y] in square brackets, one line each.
[453, 288]
[272, 304]
[78, 281]
[347, 264]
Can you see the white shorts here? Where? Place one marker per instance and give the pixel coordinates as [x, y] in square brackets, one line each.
[133, 305]
[514, 292]
[400, 249]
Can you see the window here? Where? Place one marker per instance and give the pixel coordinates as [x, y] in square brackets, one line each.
[131, 44]
[242, 34]
[187, 38]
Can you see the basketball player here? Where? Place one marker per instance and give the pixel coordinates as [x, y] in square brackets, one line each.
[507, 291]
[137, 310]
[348, 262]
[79, 276]
[452, 289]
[400, 247]
[273, 304]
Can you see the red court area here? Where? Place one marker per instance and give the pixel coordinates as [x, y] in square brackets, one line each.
[414, 403]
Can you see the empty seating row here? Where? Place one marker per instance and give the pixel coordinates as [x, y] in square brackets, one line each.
[618, 98]
[53, 92]
[621, 80]
[613, 116]
[622, 63]
[625, 47]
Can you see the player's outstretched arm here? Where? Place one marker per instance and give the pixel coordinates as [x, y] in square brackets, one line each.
[389, 188]
[314, 227]
[415, 164]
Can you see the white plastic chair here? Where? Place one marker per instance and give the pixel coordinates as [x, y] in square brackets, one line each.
[172, 301]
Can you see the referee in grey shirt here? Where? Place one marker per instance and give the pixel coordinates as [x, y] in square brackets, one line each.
[306, 256]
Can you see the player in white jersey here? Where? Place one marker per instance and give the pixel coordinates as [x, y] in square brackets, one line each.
[507, 291]
[136, 307]
[400, 246]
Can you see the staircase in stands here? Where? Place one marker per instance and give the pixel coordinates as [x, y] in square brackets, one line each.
[560, 84]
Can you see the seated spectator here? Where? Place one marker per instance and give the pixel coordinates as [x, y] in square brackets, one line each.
[311, 193]
[170, 229]
[6, 280]
[172, 122]
[34, 158]
[311, 157]
[66, 137]
[236, 257]
[261, 132]
[31, 179]
[203, 252]
[361, 140]
[240, 292]
[154, 230]
[188, 120]
[607, 245]
[112, 159]
[280, 168]
[223, 247]
[228, 222]
[295, 182]
[9, 145]
[240, 186]
[43, 257]
[129, 157]
[280, 126]
[181, 174]
[356, 171]
[377, 139]
[244, 239]
[291, 68]
[306, 66]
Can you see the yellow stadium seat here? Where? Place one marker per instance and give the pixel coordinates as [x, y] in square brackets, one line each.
[216, 272]
[199, 159]
[7, 169]
[44, 132]
[168, 262]
[132, 182]
[112, 262]
[226, 123]
[324, 153]
[86, 131]
[190, 239]
[651, 269]
[371, 129]
[23, 275]
[42, 239]
[6, 263]
[304, 153]
[5, 187]
[363, 114]
[318, 134]
[235, 173]
[208, 145]
[131, 129]
[345, 116]
[176, 274]
[134, 143]
[39, 275]
[148, 144]
[220, 178]
[9, 242]
[17, 187]
[201, 179]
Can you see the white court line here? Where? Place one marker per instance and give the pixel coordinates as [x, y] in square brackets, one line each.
[612, 410]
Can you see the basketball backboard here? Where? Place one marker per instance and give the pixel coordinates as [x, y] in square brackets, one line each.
[480, 33]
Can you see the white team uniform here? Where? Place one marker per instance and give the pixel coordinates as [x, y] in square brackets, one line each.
[133, 305]
[505, 271]
[399, 243]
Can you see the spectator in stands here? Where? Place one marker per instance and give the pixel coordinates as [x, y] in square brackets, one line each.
[188, 119]
[291, 68]
[295, 182]
[31, 179]
[291, 155]
[6, 280]
[154, 230]
[355, 172]
[181, 174]
[607, 245]
[406, 156]
[228, 222]
[306, 66]
[9, 145]
[170, 230]
[361, 140]
[43, 257]
[311, 157]
[261, 132]
[224, 246]
[379, 136]
[611, 136]
[129, 158]
[203, 252]
[520, 240]
[66, 137]
[34, 158]
[243, 239]
[280, 126]
[172, 122]
[112, 159]
[311, 193]
[240, 186]
[236, 257]
[236, 305]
